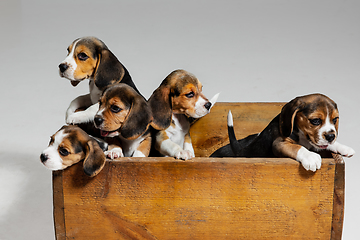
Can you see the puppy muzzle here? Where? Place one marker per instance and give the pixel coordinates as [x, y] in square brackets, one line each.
[98, 121]
[63, 67]
[44, 157]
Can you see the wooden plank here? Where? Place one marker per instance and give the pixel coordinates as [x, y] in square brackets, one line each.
[204, 198]
[210, 132]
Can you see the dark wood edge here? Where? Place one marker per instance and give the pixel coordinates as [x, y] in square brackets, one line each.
[339, 198]
[58, 201]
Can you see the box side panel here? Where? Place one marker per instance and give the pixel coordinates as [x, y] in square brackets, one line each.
[199, 199]
[210, 132]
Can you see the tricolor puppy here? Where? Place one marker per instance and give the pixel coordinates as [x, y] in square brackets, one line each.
[70, 145]
[125, 115]
[89, 58]
[305, 126]
[178, 98]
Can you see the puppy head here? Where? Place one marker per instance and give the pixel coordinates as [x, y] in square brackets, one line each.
[315, 115]
[89, 57]
[179, 93]
[122, 111]
[70, 145]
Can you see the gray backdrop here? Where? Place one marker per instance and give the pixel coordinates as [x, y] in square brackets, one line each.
[250, 51]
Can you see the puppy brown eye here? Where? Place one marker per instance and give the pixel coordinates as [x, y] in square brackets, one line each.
[335, 120]
[63, 151]
[82, 56]
[115, 109]
[190, 95]
[315, 121]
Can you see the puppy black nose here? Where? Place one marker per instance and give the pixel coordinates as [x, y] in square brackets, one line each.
[43, 157]
[98, 120]
[63, 67]
[330, 137]
[208, 105]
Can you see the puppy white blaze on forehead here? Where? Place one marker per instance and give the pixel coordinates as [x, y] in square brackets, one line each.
[54, 161]
[100, 111]
[71, 63]
[328, 127]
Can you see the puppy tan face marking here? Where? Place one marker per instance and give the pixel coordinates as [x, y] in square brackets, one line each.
[112, 112]
[319, 122]
[123, 112]
[187, 96]
[64, 150]
[81, 61]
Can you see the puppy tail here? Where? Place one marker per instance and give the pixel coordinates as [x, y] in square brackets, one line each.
[234, 144]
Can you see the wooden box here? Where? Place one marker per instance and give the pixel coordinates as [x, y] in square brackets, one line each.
[204, 198]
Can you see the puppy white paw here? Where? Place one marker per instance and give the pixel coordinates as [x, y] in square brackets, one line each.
[114, 153]
[310, 160]
[184, 154]
[346, 151]
[78, 117]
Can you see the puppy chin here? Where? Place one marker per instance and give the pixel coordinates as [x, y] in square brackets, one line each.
[321, 145]
[73, 81]
[54, 164]
[199, 113]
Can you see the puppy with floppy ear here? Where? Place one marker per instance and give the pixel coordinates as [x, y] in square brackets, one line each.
[70, 145]
[305, 126]
[178, 98]
[89, 58]
[125, 114]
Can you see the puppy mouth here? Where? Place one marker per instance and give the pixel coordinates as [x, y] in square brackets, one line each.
[322, 146]
[109, 133]
[317, 146]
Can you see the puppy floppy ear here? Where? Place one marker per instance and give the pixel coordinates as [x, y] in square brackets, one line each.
[94, 159]
[160, 104]
[109, 69]
[287, 116]
[138, 119]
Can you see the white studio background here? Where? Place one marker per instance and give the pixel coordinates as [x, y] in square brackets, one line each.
[249, 50]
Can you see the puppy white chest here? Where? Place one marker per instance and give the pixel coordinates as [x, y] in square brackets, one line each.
[178, 129]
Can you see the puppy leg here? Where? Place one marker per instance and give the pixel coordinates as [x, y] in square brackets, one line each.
[81, 102]
[83, 116]
[341, 149]
[188, 146]
[288, 148]
[143, 149]
[168, 148]
[114, 152]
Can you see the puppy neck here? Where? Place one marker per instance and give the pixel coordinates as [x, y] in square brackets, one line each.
[303, 141]
[180, 121]
[95, 92]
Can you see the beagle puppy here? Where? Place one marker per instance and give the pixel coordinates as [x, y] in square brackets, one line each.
[305, 126]
[69, 145]
[178, 98]
[125, 116]
[89, 58]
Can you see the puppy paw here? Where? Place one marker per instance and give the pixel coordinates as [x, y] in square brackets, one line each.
[310, 160]
[346, 151]
[78, 117]
[184, 155]
[114, 153]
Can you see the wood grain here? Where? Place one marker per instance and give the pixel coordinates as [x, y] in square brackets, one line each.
[203, 198]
